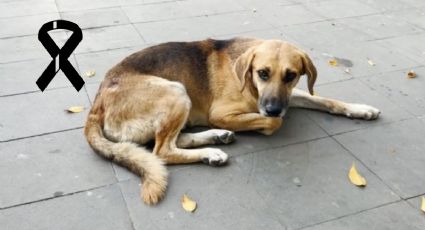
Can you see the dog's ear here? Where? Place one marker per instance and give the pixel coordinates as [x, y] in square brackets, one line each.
[242, 67]
[310, 70]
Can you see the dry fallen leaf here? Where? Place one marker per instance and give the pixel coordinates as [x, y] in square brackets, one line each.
[411, 74]
[75, 109]
[423, 204]
[188, 204]
[333, 62]
[370, 62]
[90, 73]
[355, 177]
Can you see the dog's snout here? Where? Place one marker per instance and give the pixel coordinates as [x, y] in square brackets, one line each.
[273, 109]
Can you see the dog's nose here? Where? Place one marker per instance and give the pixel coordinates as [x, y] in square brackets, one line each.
[273, 110]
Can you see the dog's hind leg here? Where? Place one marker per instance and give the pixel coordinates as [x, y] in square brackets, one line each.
[175, 116]
[209, 137]
[303, 99]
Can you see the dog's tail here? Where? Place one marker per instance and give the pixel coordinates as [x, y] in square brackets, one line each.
[129, 155]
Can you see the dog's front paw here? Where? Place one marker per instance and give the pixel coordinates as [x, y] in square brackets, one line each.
[222, 136]
[215, 157]
[362, 111]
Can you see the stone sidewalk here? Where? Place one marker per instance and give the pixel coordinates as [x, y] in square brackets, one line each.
[295, 179]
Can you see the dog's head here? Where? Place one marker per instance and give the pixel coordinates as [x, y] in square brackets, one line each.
[273, 68]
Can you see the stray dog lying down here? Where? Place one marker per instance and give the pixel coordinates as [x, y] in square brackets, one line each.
[232, 85]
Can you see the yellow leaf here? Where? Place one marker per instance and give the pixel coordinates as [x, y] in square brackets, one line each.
[75, 109]
[188, 204]
[423, 204]
[333, 62]
[411, 74]
[355, 177]
[371, 62]
[90, 73]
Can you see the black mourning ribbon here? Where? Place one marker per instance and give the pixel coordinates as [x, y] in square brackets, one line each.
[60, 56]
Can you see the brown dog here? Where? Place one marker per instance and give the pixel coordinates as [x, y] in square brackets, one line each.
[235, 85]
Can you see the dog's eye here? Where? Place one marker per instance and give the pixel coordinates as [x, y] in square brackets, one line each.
[290, 76]
[263, 74]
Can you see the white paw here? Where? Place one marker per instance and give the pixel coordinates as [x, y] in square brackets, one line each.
[362, 111]
[215, 157]
[222, 136]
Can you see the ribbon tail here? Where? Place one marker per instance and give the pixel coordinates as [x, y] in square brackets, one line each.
[71, 74]
[47, 76]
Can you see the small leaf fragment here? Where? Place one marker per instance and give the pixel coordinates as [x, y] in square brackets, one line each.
[75, 109]
[371, 62]
[355, 177]
[90, 73]
[188, 204]
[333, 62]
[411, 74]
[423, 204]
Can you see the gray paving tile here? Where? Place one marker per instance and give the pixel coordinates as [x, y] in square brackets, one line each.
[271, 33]
[92, 90]
[341, 9]
[106, 38]
[359, 53]
[47, 166]
[307, 183]
[97, 17]
[26, 7]
[381, 26]
[242, 211]
[101, 62]
[238, 22]
[20, 77]
[97, 209]
[141, 2]
[288, 14]
[176, 30]
[256, 4]
[409, 45]
[37, 113]
[383, 5]
[394, 216]
[406, 93]
[394, 152]
[354, 91]
[27, 47]
[201, 27]
[325, 33]
[178, 9]
[412, 16]
[256, 190]
[416, 203]
[27, 25]
[76, 5]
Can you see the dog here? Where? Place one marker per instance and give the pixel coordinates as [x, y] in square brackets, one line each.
[241, 84]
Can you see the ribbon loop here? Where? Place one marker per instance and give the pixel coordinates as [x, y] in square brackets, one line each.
[60, 55]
